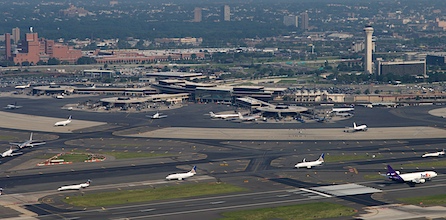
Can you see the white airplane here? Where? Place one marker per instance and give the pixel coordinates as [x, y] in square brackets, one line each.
[23, 86]
[158, 116]
[10, 153]
[13, 106]
[436, 154]
[59, 97]
[248, 118]
[309, 164]
[181, 176]
[76, 186]
[63, 123]
[360, 127]
[409, 178]
[338, 110]
[223, 116]
[28, 143]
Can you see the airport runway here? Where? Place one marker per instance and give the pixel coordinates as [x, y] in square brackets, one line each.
[260, 164]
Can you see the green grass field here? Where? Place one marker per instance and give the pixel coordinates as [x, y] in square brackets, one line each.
[426, 200]
[439, 163]
[151, 194]
[341, 158]
[320, 210]
[74, 157]
[129, 155]
[7, 138]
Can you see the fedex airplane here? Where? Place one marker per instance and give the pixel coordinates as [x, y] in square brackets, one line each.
[181, 176]
[158, 116]
[436, 154]
[76, 186]
[28, 143]
[223, 116]
[309, 164]
[248, 118]
[10, 153]
[13, 106]
[409, 178]
[63, 123]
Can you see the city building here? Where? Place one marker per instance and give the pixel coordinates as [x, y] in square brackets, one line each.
[15, 35]
[436, 59]
[304, 21]
[291, 20]
[400, 68]
[34, 50]
[7, 46]
[226, 13]
[197, 14]
[368, 64]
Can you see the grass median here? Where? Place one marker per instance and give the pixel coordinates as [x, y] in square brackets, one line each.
[425, 200]
[319, 210]
[151, 194]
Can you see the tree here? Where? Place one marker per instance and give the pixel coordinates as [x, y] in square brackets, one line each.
[376, 91]
[367, 91]
[86, 60]
[53, 61]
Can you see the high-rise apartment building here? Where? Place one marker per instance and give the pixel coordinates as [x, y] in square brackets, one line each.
[16, 35]
[291, 20]
[304, 21]
[226, 13]
[197, 15]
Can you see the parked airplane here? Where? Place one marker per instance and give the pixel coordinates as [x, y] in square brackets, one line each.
[248, 118]
[436, 154]
[63, 123]
[409, 178]
[338, 110]
[309, 164]
[223, 116]
[181, 176]
[23, 86]
[76, 186]
[10, 153]
[13, 106]
[28, 143]
[158, 116]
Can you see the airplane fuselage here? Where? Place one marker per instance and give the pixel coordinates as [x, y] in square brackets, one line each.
[308, 164]
[436, 154]
[179, 176]
[416, 177]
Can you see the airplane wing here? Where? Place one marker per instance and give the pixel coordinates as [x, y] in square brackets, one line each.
[15, 154]
[12, 143]
[36, 144]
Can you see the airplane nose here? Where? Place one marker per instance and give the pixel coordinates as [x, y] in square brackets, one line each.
[434, 174]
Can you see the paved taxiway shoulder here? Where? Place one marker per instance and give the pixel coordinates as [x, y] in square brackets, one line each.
[40, 123]
[418, 132]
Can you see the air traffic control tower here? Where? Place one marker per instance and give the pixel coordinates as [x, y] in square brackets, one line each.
[368, 50]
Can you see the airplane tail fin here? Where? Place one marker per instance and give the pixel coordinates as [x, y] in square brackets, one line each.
[31, 137]
[321, 158]
[354, 124]
[240, 115]
[193, 170]
[212, 114]
[69, 118]
[392, 174]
